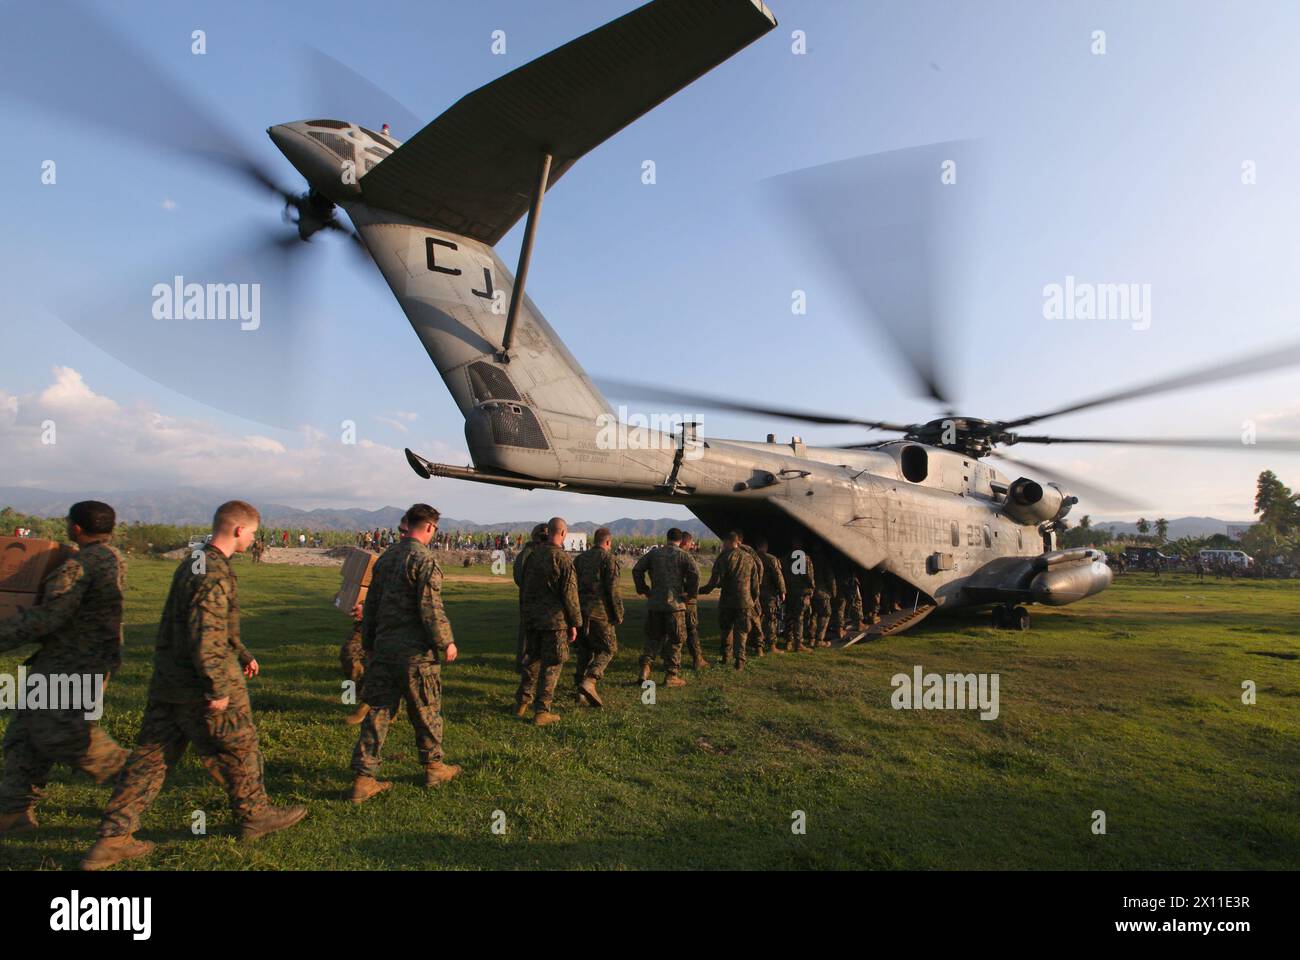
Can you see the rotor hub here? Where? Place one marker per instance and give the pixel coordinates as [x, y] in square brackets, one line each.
[967, 435]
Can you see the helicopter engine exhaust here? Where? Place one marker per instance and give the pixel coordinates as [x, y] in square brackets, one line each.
[1030, 502]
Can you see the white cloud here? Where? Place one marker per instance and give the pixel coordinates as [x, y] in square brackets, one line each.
[69, 396]
[103, 445]
[398, 419]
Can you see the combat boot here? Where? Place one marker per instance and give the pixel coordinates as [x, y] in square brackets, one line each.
[587, 690]
[363, 788]
[521, 710]
[645, 671]
[436, 774]
[20, 822]
[270, 820]
[545, 718]
[674, 681]
[110, 850]
[699, 664]
[357, 715]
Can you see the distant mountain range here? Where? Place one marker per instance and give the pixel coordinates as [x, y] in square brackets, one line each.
[1179, 528]
[189, 505]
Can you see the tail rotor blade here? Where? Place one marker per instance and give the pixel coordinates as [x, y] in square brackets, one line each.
[220, 329]
[63, 56]
[339, 92]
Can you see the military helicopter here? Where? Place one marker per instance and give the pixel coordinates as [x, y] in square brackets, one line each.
[925, 510]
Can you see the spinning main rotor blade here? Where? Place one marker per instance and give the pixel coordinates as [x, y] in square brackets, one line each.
[1275, 359]
[706, 402]
[1200, 443]
[61, 55]
[883, 221]
[1098, 496]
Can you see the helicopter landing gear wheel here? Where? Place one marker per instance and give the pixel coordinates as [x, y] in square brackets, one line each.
[1018, 619]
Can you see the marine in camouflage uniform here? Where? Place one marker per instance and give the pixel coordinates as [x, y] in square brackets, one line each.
[800, 582]
[352, 660]
[199, 659]
[405, 630]
[552, 615]
[672, 578]
[597, 571]
[870, 584]
[846, 611]
[822, 602]
[352, 655]
[771, 595]
[755, 627]
[78, 624]
[737, 571]
[538, 536]
[692, 618]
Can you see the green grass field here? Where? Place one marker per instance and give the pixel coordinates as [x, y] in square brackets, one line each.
[1128, 703]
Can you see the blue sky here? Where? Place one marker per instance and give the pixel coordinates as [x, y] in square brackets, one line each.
[1124, 167]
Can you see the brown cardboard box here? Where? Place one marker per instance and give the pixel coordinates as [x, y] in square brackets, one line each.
[358, 565]
[26, 561]
[357, 568]
[11, 602]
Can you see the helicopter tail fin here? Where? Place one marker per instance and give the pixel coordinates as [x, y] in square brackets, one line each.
[471, 171]
[432, 211]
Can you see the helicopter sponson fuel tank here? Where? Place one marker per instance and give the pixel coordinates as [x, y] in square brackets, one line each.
[1055, 578]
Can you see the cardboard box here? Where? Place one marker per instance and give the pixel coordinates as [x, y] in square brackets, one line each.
[358, 565]
[25, 562]
[357, 568]
[11, 603]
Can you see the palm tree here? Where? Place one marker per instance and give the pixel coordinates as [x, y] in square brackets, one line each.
[1085, 522]
[1162, 529]
[1143, 526]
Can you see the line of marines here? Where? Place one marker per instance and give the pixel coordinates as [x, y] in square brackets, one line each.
[401, 637]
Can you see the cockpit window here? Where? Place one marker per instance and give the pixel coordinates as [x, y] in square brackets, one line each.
[329, 124]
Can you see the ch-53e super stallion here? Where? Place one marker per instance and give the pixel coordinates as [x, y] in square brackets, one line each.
[925, 511]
